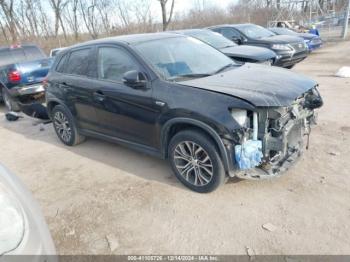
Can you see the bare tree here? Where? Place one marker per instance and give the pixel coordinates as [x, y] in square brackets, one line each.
[89, 18]
[7, 8]
[70, 14]
[123, 11]
[165, 18]
[104, 8]
[58, 6]
[3, 31]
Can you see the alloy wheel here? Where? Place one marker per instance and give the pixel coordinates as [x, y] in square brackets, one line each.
[193, 163]
[62, 126]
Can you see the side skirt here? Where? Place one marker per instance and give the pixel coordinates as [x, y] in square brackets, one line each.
[135, 146]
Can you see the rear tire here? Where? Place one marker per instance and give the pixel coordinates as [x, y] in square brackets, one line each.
[195, 161]
[65, 127]
[290, 67]
[10, 104]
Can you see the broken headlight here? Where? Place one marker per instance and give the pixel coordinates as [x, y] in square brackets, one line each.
[240, 116]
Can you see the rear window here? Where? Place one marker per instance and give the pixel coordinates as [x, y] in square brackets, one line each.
[78, 62]
[18, 55]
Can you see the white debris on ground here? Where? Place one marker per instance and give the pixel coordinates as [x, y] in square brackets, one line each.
[250, 252]
[269, 227]
[343, 72]
[113, 242]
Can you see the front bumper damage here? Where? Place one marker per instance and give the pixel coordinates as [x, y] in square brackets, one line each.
[283, 133]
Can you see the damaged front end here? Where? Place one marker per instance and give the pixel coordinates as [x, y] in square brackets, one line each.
[273, 138]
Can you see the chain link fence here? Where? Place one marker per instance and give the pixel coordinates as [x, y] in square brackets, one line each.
[330, 26]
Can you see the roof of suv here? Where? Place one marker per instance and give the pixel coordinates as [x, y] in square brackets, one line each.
[130, 39]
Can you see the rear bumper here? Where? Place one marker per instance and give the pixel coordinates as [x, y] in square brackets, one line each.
[26, 90]
[31, 100]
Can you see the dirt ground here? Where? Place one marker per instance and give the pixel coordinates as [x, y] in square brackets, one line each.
[99, 196]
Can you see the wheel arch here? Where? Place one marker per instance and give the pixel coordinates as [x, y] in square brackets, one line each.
[176, 125]
[52, 103]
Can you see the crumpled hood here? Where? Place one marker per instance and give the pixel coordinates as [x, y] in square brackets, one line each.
[251, 52]
[262, 86]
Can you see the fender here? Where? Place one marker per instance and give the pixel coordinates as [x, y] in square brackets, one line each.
[55, 100]
[201, 125]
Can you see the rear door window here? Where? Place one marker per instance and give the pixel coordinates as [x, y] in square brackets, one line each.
[78, 62]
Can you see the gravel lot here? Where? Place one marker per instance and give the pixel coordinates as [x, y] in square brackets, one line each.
[100, 198]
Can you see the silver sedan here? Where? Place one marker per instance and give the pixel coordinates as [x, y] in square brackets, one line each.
[23, 230]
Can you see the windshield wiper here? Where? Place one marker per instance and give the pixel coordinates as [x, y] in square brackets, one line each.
[226, 46]
[224, 68]
[189, 76]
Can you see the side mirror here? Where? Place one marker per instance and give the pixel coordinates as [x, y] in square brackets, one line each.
[237, 40]
[135, 79]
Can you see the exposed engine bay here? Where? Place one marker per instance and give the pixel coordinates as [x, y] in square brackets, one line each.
[283, 133]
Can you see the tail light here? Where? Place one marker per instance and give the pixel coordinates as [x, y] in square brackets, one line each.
[15, 46]
[14, 76]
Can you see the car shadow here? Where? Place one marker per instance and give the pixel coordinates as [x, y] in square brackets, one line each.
[114, 155]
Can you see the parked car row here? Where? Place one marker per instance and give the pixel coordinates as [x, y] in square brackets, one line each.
[206, 100]
[313, 41]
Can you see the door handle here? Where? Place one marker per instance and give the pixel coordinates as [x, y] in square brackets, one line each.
[99, 96]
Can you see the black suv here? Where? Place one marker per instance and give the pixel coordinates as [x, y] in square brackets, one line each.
[290, 49]
[176, 97]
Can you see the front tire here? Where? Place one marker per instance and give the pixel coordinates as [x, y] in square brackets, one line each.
[195, 161]
[65, 126]
[290, 67]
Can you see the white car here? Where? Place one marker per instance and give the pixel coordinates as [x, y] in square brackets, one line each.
[23, 230]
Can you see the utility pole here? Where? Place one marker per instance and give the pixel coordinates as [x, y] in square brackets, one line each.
[346, 20]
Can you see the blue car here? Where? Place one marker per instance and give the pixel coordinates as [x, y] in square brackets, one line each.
[313, 41]
[23, 69]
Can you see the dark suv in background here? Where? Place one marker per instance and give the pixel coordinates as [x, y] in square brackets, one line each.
[176, 97]
[243, 54]
[290, 49]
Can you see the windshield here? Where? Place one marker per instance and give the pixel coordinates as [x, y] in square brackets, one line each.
[182, 57]
[255, 31]
[283, 31]
[214, 39]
